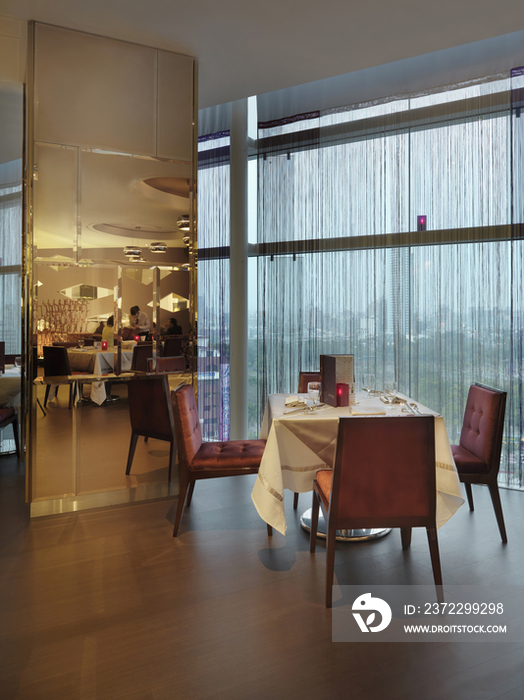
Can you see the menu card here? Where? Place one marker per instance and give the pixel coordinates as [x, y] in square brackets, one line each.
[335, 369]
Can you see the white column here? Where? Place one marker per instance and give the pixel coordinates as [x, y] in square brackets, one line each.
[238, 271]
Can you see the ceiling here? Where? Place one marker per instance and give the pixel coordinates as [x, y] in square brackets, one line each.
[247, 48]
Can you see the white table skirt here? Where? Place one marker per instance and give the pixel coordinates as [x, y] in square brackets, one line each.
[98, 362]
[9, 385]
[299, 445]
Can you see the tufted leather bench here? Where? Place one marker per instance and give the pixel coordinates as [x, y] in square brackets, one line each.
[8, 417]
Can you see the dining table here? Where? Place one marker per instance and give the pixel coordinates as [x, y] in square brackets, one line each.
[302, 441]
[10, 383]
[98, 363]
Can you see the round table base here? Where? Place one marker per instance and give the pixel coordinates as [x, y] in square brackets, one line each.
[342, 535]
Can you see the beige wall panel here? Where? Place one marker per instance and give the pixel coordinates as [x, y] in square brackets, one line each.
[13, 49]
[175, 106]
[55, 199]
[94, 92]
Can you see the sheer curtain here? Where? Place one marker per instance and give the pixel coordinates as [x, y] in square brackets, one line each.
[213, 286]
[393, 231]
[10, 265]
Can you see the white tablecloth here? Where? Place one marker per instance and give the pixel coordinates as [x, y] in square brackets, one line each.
[9, 385]
[98, 362]
[300, 444]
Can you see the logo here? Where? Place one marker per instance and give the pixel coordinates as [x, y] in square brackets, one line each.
[366, 603]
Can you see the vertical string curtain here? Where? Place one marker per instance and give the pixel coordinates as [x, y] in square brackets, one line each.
[345, 264]
[10, 265]
[213, 285]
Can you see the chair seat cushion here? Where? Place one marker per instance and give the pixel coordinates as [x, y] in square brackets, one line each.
[466, 462]
[324, 480]
[244, 454]
[6, 413]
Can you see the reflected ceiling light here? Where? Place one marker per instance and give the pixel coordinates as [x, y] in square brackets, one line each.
[137, 259]
[183, 222]
[132, 250]
[186, 240]
[158, 247]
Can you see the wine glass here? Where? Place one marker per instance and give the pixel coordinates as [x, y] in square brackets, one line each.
[18, 362]
[390, 389]
[368, 382]
[81, 343]
[313, 390]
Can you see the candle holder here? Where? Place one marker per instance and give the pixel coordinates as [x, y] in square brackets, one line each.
[342, 394]
[104, 345]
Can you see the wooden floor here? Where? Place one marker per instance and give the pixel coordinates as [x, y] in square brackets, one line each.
[106, 604]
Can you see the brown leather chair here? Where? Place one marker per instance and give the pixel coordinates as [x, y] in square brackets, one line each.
[8, 417]
[384, 476]
[151, 415]
[304, 378]
[172, 346]
[56, 364]
[477, 456]
[206, 460]
[142, 352]
[171, 364]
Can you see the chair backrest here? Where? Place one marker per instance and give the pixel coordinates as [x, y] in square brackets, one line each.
[56, 361]
[384, 472]
[171, 364]
[2, 356]
[304, 378]
[150, 407]
[128, 333]
[187, 424]
[483, 424]
[172, 346]
[142, 352]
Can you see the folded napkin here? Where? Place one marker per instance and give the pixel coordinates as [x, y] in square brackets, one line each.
[367, 411]
[295, 402]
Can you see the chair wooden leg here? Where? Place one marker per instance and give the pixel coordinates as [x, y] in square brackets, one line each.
[435, 561]
[181, 502]
[16, 438]
[190, 493]
[405, 536]
[131, 454]
[48, 387]
[172, 460]
[295, 500]
[269, 530]
[314, 524]
[330, 564]
[41, 407]
[72, 392]
[497, 505]
[469, 495]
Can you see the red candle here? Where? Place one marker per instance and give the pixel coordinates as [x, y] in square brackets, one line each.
[104, 345]
[137, 338]
[342, 394]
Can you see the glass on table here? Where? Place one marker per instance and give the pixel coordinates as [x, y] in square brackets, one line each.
[313, 390]
[368, 383]
[81, 342]
[390, 389]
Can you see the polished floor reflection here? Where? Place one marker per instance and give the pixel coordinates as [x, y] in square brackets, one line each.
[106, 604]
[83, 451]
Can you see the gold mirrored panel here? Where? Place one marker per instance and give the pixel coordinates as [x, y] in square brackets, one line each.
[113, 206]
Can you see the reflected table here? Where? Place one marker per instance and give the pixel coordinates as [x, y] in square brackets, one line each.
[301, 443]
[98, 363]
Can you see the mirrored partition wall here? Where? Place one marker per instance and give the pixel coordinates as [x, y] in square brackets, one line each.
[110, 224]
